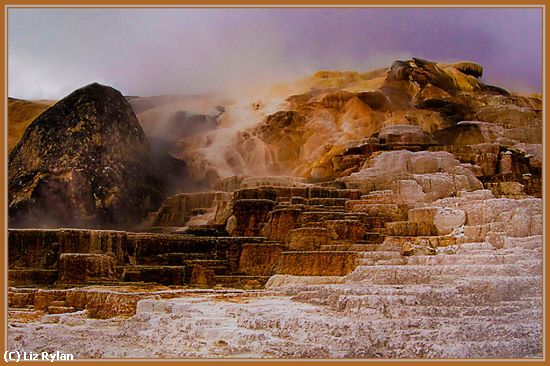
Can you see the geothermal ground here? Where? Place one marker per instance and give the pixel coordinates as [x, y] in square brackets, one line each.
[477, 302]
[389, 214]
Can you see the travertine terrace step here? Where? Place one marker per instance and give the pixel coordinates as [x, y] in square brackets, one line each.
[380, 258]
[319, 216]
[422, 274]
[60, 309]
[311, 224]
[149, 245]
[178, 259]
[476, 246]
[433, 241]
[381, 262]
[316, 263]
[363, 246]
[206, 230]
[388, 245]
[386, 196]
[166, 275]
[379, 255]
[135, 257]
[375, 238]
[241, 280]
[322, 208]
[219, 267]
[463, 332]
[424, 300]
[439, 294]
[327, 202]
[308, 238]
[335, 247]
[31, 277]
[482, 258]
[467, 299]
[409, 228]
[463, 311]
[162, 229]
[524, 243]
[295, 200]
[308, 218]
[58, 303]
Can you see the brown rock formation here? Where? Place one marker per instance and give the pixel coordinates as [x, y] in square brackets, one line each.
[77, 268]
[260, 259]
[316, 263]
[84, 162]
[429, 175]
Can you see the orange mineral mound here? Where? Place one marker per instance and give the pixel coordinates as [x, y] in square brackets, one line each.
[308, 130]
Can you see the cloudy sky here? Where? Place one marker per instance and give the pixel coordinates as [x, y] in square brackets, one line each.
[193, 51]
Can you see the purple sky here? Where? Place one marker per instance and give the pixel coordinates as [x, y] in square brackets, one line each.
[193, 51]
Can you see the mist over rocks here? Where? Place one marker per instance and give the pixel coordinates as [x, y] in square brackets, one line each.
[85, 162]
[305, 128]
[320, 128]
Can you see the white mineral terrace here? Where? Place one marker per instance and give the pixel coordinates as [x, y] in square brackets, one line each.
[467, 301]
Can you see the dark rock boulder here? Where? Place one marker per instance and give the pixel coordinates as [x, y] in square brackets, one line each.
[452, 78]
[469, 68]
[85, 162]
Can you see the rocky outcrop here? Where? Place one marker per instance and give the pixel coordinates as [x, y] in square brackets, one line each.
[84, 162]
[416, 177]
[404, 134]
[76, 268]
[485, 214]
[260, 259]
[448, 77]
[326, 263]
[177, 210]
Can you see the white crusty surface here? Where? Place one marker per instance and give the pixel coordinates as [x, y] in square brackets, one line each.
[467, 301]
